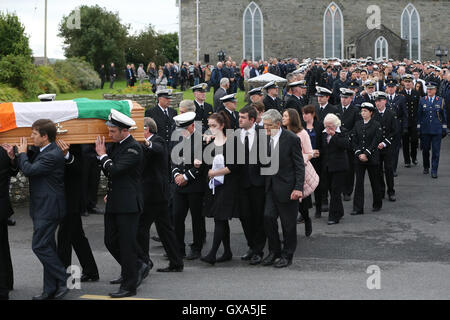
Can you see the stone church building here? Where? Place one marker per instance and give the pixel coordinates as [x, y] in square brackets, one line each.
[343, 29]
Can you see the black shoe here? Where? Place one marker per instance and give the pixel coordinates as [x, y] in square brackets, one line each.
[155, 238]
[225, 257]
[85, 214]
[376, 209]
[247, 256]
[43, 296]
[347, 197]
[392, 198]
[209, 260]
[331, 222]
[61, 293]
[256, 259]
[355, 213]
[11, 222]
[300, 220]
[407, 165]
[146, 270]
[318, 214]
[426, 171]
[95, 211]
[415, 162]
[89, 277]
[283, 262]
[142, 274]
[270, 259]
[194, 254]
[395, 174]
[117, 281]
[434, 175]
[122, 294]
[171, 269]
[4, 296]
[308, 227]
[324, 207]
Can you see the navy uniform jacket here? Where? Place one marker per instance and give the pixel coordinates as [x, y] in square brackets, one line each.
[270, 103]
[7, 170]
[432, 118]
[365, 140]
[389, 126]
[202, 114]
[412, 104]
[329, 108]
[349, 117]
[45, 171]
[296, 103]
[358, 100]
[123, 168]
[398, 106]
[234, 120]
[165, 124]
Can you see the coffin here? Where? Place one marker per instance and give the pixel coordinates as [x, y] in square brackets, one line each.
[77, 131]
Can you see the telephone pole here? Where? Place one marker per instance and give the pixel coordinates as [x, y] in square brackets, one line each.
[45, 35]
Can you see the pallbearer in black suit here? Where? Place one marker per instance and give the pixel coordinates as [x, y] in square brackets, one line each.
[284, 187]
[297, 100]
[389, 129]
[229, 103]
[202, 109]
[156, 195]
[8, 168]
[122, 164]
[349, 116]
[271, 101]
[251, 186]
[334, 147]
[365, 141]
[189, 175]
[397, 104]
[410, 139]
[70, 232]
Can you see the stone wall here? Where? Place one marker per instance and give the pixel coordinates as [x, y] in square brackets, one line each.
[145, 100]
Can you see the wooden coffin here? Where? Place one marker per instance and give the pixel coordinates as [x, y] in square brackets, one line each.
[80, 131]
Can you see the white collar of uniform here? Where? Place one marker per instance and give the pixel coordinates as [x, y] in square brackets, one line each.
[148, 139]
[324, 106]
[162, 109]
[125, 139]
[231, 112]
[44, 147]
[200, 104]
[273, 98]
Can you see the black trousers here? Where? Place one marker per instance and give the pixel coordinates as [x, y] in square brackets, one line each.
[336, 210]
[386, 169]
[252, 217]
[287, 211]
[102, 84]
[91, 180]
[71, 234]
[159, 214]
[6, 269]
[410, 145]
[44, 247]
[349, 179]
[374, 173]
[121, 242]
[182, 203]
[396, 145]
[318, 192]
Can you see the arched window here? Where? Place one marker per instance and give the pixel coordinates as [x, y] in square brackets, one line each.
[333, 32]
[410, 30]
[253, 33]
[381, 49]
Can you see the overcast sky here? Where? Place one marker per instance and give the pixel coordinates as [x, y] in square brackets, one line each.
[162, 14]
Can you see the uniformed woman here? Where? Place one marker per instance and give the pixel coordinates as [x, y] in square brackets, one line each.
[367, 136]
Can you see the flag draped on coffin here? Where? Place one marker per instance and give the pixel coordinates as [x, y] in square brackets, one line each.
[23, 114]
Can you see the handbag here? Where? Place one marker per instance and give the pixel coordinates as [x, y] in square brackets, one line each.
[311, 180]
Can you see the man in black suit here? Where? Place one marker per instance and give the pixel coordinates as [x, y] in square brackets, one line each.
[410, 139]
[122, 165]
[70, 232]
[155, 192]
[322, 109]
[8, 168]
[189, 177]
[202, 109]
[221, 92]
[271, 101]
[251, 193]
[229, 103]
[45, 171]
[349, 115]
[297, 101]
[389, 129]
[284, 187]
[112, 75]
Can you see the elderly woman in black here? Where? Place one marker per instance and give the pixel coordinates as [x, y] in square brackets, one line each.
[334, 146]
[367, 136]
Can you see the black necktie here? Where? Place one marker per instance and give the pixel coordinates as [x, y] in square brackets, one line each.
[166, 113]
[247, 146]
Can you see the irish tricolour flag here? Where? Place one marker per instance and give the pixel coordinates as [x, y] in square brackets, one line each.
[23, 114]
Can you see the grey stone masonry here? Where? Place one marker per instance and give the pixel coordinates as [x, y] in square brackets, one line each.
[145, 100]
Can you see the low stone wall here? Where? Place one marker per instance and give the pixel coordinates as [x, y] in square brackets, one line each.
[145, 100]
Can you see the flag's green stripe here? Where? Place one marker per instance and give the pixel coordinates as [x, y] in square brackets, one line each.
[100, 109]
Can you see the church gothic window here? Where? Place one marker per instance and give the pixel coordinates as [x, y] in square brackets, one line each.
[333, 32]
[410, 30]
[253, 33]
[381, 49]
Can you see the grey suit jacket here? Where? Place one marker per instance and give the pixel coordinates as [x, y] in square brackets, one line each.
[221, 92]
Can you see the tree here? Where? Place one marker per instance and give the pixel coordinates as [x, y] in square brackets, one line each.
[13, 40]
[101, 38]
[142, 48]
[168, 46]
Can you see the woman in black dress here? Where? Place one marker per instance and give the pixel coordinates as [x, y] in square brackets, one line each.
[221, 198]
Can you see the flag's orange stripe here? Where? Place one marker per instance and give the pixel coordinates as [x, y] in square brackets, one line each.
[7, 117]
